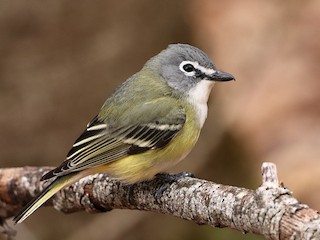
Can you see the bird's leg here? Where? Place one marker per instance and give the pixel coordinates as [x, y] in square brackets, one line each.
[164, 181]
[172, 177]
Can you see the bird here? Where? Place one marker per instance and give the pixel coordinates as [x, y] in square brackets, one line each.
[150, 123]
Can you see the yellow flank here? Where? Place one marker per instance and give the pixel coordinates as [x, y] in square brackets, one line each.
[139, 167]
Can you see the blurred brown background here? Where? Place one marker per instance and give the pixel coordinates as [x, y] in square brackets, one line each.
[61, 59]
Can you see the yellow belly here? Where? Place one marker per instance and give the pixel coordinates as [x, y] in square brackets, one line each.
[139, 167]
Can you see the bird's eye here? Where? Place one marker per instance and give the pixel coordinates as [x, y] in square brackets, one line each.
[188, 67]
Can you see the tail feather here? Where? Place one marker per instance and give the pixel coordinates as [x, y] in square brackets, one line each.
[43, 196]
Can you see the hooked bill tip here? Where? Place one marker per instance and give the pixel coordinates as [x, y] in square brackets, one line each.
[221, 76]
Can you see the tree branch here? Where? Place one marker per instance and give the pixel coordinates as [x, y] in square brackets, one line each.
[270, 210]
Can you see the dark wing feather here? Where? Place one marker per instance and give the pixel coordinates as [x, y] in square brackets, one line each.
[98, 145]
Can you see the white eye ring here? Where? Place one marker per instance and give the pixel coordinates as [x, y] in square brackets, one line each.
[188, 73]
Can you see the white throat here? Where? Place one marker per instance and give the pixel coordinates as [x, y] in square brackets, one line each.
[198, 96]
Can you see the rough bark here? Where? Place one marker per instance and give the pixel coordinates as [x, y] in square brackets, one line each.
[270, 210]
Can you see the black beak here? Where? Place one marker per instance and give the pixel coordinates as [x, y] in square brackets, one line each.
[220, 76]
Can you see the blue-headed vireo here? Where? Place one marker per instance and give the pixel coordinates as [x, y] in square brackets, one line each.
[151, 122]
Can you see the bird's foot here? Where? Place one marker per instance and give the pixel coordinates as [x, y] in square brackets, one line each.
[166, 180]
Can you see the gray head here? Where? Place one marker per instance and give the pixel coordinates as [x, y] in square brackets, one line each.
[184, 66]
